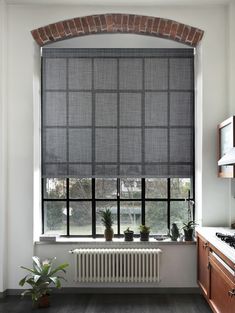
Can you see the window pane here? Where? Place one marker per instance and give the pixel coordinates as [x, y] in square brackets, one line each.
[180, 187]
[130, 215]
[102, 205]
[156, 188]
[81, 218]
[55, 217]
[54, 188]
[80, 188]
[156, 216]
[179, 213]
[106, 188]
[130, 188]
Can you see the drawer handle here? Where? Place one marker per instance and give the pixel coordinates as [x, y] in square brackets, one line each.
[231, 293]
[205, 245]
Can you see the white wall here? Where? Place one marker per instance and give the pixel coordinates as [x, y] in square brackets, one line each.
[231, 92]
[20, 71]
[3, 148]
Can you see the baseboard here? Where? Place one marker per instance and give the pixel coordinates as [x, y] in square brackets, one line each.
[3, 294]
[74, 290]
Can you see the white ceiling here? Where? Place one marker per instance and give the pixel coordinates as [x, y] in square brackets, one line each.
[122, 2]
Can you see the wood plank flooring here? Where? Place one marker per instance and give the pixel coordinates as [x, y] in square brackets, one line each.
[107, 303]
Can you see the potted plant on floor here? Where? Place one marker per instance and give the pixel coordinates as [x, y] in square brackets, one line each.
[128, 234]
[188, 230]
[144, 232]
[107, 221]
[40, 277]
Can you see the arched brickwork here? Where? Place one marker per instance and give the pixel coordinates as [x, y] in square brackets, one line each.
[118, 23]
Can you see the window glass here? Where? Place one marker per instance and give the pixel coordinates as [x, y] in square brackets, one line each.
[156, 188]
[130, 215]
[106, 188]
[55, 217]
[130, 188]
[80, 188]
[80, 218]
[180, 188]
[156, 216]
[54, 188]
[102, 205]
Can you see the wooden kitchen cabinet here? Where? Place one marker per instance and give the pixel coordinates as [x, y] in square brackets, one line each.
[203, 265]
[222, 289]
[216, 277]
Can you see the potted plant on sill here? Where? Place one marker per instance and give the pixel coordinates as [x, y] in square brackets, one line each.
[128, 234]
[107, 221]
[174, 234]
[40, 277]
[188, 230]
[144, 232]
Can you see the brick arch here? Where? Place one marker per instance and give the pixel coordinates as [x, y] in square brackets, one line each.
[118, 23]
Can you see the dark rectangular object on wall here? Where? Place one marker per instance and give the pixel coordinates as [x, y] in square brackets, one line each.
[226, 141]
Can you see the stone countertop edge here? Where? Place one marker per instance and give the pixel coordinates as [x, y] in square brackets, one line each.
[209, 234]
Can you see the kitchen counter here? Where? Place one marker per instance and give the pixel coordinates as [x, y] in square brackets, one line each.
[209, 234]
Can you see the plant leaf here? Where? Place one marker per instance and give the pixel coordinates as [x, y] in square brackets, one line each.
[23, 280]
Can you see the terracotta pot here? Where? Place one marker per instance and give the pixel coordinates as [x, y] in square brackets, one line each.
[108, 234]
[144, 236]
[188, 235]
[44, 301]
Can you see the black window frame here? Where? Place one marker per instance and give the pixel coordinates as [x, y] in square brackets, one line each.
[118, 199]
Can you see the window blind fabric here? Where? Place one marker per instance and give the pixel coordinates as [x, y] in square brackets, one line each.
[117, 112]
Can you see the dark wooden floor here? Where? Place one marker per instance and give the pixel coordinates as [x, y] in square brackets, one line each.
[106, 303]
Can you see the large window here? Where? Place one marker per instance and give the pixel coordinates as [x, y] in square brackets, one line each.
[71, 206]
[117, 132]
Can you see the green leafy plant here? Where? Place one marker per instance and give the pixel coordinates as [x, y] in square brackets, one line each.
[128, 230]
[40, 277]
[144, 229]
[107, 218]
[189, 225]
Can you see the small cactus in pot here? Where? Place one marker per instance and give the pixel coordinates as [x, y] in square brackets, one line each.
[144, 232]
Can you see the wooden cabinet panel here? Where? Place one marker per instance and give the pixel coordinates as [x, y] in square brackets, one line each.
[221, 296]
[203, 262]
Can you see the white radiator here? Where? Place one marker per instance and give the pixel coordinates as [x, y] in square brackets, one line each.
[117, 265]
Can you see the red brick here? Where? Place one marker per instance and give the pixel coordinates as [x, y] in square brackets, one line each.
[168, 28]
[131, 22]
[97, 23]
[109, 22]
[155, 28]
[85, 25]
[173, 32]
[197, 37]
[191, 35]
[125, 23]
[185, 33]
[118, 22]
[137, 23]
[91, 24]
[103, 22]
[37, 37]
[180, 31]
[143, 23]
[49, 33]
[162, 27]
[78, 25]
[60, 29]
[66, 28]
[42, 34]
[149, 25]
[72, 27]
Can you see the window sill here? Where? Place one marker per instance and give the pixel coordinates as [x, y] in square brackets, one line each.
[100, 242]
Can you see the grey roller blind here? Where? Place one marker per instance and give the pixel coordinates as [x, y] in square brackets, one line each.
[117, 112]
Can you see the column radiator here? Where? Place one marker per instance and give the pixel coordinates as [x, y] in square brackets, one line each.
[117, 265]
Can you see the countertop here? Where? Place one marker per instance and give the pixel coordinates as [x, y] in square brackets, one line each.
[209, 234]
